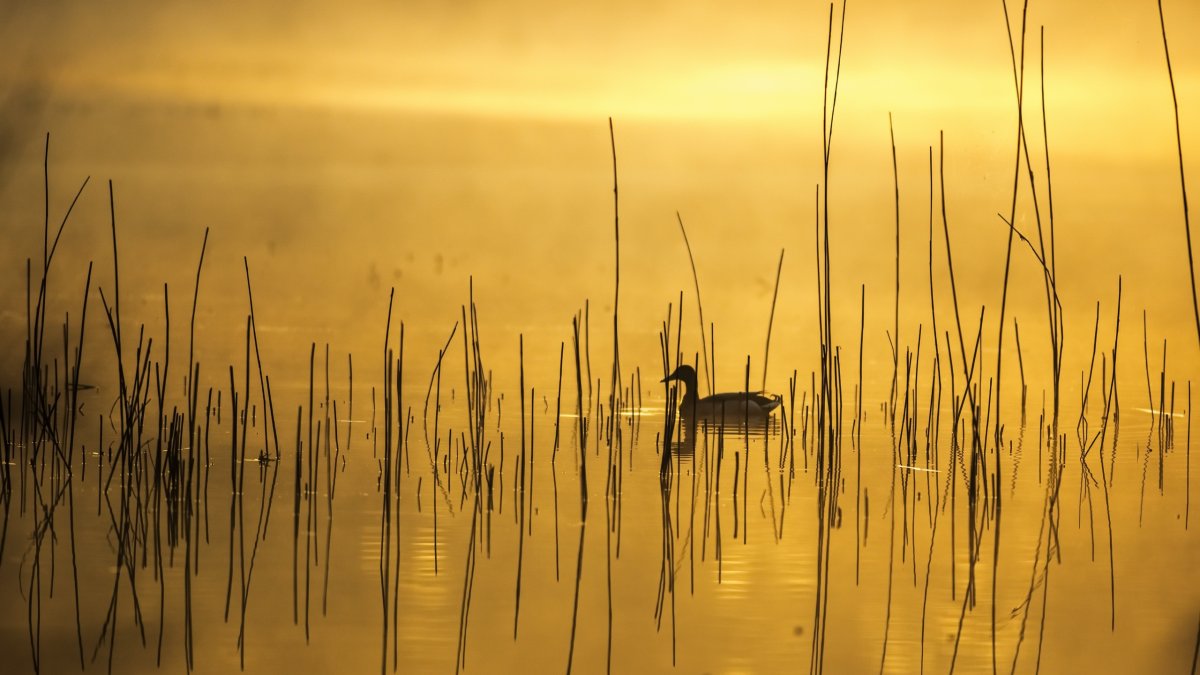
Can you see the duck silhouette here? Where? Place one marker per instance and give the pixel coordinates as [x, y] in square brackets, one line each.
[733, 406]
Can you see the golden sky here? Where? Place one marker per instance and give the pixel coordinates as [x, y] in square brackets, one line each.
[659, 59]
[934, 64]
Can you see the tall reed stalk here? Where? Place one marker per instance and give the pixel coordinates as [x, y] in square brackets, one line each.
[1187, 224]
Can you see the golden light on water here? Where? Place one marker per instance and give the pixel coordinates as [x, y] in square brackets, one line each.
[419, 157]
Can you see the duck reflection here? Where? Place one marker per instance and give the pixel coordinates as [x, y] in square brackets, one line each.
[742, 413]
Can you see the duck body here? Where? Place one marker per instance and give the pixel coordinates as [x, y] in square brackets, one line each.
[728, 405]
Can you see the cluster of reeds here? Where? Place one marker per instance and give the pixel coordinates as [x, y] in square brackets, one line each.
[152, 458]
[980, 455]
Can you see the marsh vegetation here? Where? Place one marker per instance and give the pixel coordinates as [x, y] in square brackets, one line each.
[949, 478]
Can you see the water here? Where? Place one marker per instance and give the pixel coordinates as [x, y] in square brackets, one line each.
[740, 591]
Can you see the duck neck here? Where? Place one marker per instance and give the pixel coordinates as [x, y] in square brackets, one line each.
[690, 397]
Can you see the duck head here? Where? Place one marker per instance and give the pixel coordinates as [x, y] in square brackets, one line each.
[685, 374]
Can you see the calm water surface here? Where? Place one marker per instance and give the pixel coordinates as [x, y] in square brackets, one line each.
[740, 590]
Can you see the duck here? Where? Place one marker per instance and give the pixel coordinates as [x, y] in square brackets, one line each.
[732, 405]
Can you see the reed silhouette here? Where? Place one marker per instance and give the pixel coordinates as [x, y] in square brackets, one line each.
[944, 439]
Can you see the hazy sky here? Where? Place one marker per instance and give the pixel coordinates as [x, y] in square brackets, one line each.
[662, 59]
[109, 78]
